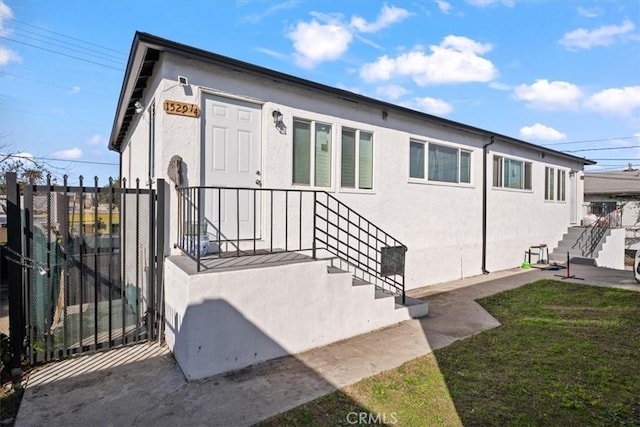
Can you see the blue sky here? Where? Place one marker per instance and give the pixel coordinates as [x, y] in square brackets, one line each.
[563, 74]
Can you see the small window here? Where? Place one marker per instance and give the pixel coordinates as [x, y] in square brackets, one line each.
[562, 178]
[549, 185]
[311, 153]
[416, 160]
[511, 173]
[444, 164]
[356, 174]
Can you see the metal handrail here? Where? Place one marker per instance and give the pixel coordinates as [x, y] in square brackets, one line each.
[591, 236]
[336, 229]
[355, 252]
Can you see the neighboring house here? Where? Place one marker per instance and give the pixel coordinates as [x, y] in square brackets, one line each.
[605, 191]
[463, 200]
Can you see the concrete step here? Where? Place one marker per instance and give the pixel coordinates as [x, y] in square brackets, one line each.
[417, 308]
[383, 293]
[575, 258]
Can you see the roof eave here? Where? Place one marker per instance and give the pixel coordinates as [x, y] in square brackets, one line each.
[144, 41]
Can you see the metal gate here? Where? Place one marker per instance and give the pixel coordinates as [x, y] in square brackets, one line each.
[85, 267]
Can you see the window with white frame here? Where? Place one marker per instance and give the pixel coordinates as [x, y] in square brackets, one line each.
[562, 185]
[511, 173]
[549, 183]
[356, 169]
[311, 153]
[443, 163]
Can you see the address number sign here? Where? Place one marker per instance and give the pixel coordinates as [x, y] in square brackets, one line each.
[181, 108]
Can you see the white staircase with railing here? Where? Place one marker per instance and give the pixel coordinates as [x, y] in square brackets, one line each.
[568, 244]
[605, 251]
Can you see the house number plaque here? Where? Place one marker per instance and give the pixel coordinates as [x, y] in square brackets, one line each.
[181, 108]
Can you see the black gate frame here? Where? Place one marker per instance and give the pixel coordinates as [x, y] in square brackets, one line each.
[20, 233]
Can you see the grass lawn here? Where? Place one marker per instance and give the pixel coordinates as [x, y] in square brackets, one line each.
[566, 354]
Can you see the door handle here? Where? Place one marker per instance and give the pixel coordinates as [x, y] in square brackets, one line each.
[258, 183]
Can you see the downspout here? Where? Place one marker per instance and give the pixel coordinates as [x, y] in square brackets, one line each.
[484, 205]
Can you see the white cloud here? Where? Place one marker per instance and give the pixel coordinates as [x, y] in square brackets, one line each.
[392, 92]
[619, 101]
[5, 12]
[255, 18]
[8, 56]
[389, 15]
[500, 86]
[456, 60]
[591, 12]
[601, 36]
[431, 106]
[327, 36]
[271, 53]
[69, 154]
[315, 42]
[96, 139]
[485, 3]
[549, 95]
[444, 6]
[542, 133]
[75, 89]
[23, 157]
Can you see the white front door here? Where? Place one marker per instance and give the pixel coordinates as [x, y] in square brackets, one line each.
[232, 159]
[573, 198]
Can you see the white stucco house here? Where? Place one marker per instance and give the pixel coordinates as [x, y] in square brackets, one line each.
[461, 199]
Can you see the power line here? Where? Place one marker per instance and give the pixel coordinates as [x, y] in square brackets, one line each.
[119, 57]
[53, 159]
[592, 140]
[603, 149]
[61, 53]
[603, 160]
[64, 35]
[66, 45]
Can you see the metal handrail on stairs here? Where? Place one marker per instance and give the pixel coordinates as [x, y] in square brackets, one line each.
[365, 247]
[589, 239]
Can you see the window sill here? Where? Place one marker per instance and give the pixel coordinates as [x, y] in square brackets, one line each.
[439, 183]
[512, 190]
[357, 191]
[304, 187]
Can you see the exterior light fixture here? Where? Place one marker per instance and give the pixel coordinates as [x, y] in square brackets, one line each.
[139, 107]
[385, 114]
[277, 117]
[183, 81]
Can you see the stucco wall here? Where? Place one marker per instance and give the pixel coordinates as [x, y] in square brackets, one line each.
[441, 224]
[612, 253]
[266, 312]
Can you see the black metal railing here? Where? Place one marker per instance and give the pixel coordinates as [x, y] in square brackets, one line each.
[367, 250]
[217, 222]
[609, 217]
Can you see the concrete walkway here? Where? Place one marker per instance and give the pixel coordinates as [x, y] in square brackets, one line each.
[142, 385]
